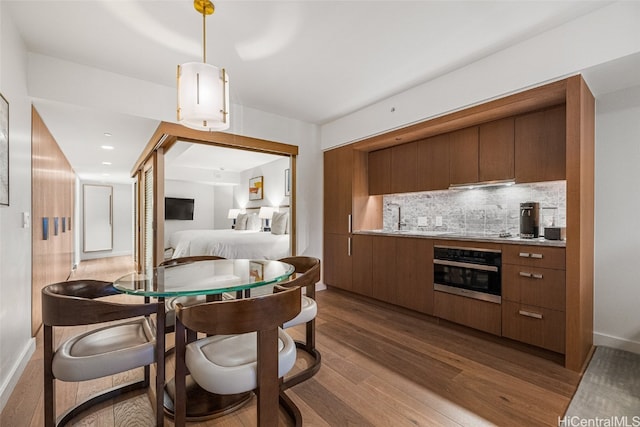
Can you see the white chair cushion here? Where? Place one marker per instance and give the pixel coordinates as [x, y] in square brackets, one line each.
[105, 351]
[170, 305]
[226, 364]
[308, 313]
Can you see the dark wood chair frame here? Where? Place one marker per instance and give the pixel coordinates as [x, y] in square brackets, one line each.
[261, 314]
[74, 303]
[307, 269]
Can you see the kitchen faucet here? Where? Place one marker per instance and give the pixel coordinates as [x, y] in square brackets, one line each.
[400, 223]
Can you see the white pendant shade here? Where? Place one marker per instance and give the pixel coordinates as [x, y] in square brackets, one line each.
[203, 96]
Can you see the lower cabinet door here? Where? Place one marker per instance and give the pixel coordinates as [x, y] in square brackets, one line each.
[538, 326]
[336, 261]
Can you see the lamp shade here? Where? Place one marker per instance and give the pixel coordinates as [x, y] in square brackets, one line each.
[203, 96]
[266, 212]
[233, 213]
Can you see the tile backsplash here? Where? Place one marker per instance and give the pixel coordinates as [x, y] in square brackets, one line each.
[483, 210]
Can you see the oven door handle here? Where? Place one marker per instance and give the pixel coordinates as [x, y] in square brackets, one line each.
[466, 265]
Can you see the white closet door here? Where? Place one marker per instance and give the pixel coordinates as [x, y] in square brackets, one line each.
[98, 218]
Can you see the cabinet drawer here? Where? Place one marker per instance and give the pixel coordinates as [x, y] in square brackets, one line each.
[482, 315]
[542, 287]
[535, 256]
[534, 325]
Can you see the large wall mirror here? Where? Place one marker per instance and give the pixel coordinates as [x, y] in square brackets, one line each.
[98, 217]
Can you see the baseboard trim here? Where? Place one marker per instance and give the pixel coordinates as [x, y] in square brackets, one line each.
[616, 342]
[16, 372]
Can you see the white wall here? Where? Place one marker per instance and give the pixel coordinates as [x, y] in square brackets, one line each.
[223, 196]
[603, 35]
[273, 180]
[617, 283]
[16, 344]
[123, 237]
[203, 207]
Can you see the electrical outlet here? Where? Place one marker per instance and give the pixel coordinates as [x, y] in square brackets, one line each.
[438, 221]
[422, 221]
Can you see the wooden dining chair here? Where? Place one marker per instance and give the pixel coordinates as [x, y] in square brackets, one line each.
[247, 350]
[307, 274]
[170, 303]
[101, 352]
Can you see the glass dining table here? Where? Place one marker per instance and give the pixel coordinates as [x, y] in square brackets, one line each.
[211, 278]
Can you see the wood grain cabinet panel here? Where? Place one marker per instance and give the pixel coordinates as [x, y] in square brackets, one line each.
[534, 256]
[433, 163]
[404, 168]
[380, 172]
[414, 274]
[384, 269]
[540, 145]
[542, 287]
[338, 178]
[336, 262]
[496, 150]
[463, 156]
[361, 254]
[533, 325]
[482, 315]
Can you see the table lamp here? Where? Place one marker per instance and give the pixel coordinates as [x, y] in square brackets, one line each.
[266, 212]
[233, 214]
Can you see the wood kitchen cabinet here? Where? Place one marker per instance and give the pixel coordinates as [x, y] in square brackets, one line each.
[534, 295]
[496, 150]
[433, 163]
[380, 171]
[361, 254]
[540, 145]
[404, 168]
[414, 274]
[338, 178]
[385, 284]
[463, 156]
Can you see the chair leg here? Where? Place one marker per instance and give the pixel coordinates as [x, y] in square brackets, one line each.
[291, 409]
[49, 380]
[180, 403]
[268, 383]
[308, 346]
[160, 361]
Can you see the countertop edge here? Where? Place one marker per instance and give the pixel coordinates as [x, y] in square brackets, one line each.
[505, 240]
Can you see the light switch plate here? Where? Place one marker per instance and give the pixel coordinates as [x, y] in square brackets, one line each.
[26, 219]
[422, 221]
[438, 221]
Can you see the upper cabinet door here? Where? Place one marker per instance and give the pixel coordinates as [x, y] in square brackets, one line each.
[433, 163]
[380, 172]
[338, 176]
[495, 157]
[463, 156]
[540, 145]
[404, 168]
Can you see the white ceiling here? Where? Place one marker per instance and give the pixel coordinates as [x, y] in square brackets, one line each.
[309, 60]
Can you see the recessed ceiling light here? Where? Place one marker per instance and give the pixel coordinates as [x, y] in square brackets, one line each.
[106, 163]
[107, 147]
[107, 134]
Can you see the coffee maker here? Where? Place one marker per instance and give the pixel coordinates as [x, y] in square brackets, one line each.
[529, 225]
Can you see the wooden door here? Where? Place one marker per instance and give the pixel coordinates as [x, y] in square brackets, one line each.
[336, 262]
[361, 256]
[463, 156]
[433, 163]
[380, 172]
[496, 147]
[384, 286]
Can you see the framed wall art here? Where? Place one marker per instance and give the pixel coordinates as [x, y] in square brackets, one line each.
[4, 151]
[256, 188]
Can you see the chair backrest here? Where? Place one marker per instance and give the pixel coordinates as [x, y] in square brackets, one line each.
[242, 315]
[188, 259]
[75, 303]
[307, 269]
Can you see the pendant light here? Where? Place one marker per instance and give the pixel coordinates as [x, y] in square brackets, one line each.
[203, 90]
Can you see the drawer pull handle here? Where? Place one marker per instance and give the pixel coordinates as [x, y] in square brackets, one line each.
[531, 275]
[530, 314]
[524, 254]
[537, 256]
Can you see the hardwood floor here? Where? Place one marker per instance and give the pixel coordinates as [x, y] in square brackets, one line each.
[380, 367]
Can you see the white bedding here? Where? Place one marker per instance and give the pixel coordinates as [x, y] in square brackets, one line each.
[230, 244]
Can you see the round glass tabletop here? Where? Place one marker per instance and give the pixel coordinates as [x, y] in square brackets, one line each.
[204, 277]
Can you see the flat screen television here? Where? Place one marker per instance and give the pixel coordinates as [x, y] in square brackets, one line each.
[176, 208]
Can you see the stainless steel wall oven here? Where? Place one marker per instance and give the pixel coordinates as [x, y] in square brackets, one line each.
[469, 272]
